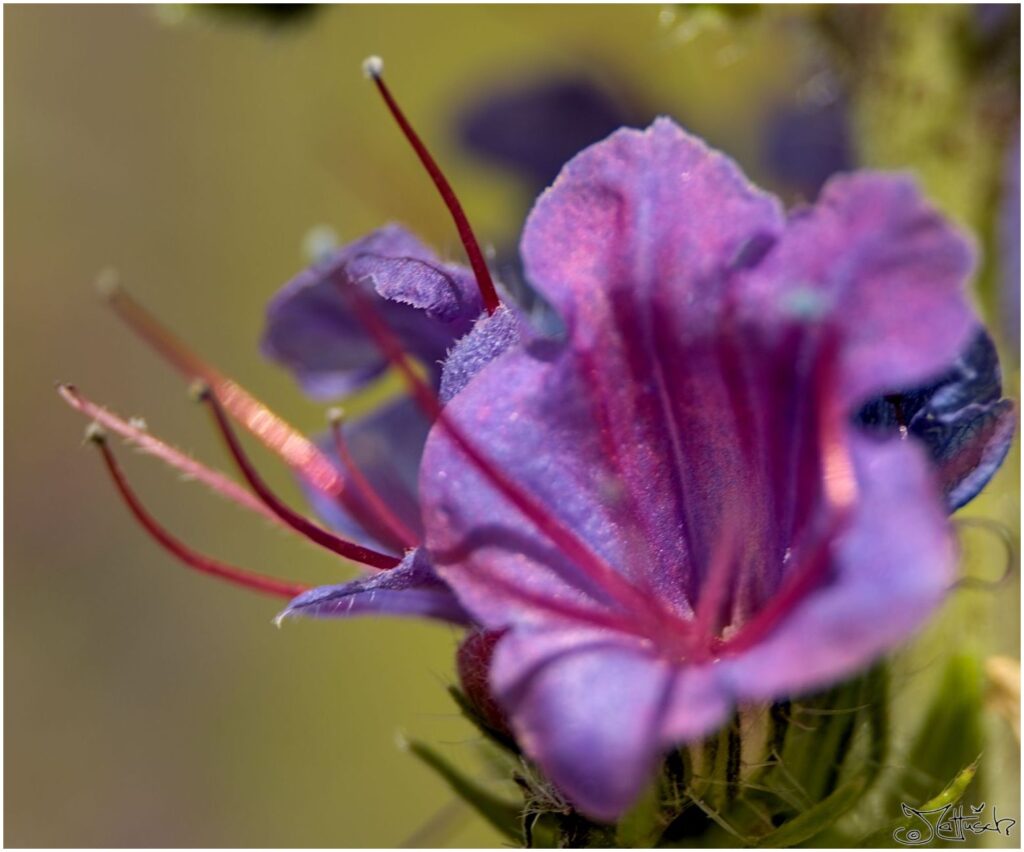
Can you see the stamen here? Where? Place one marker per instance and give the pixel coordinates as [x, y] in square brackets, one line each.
[175, 458]
[603, 575]
[315, 533]
[373, 67]
[237, 576]
[365, 488]
[298, 452]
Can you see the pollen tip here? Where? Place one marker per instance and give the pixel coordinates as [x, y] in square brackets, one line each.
[336, 415]
[401, 740]
[373, 67]
[94, 433]
[67, 392]
[199, 391]
[108, 283]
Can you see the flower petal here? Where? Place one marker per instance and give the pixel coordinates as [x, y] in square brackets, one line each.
[411, 589]
[642, 219]
[696, 390]
[881, 265]
[588, 709]
[597, 709]
[313, 331]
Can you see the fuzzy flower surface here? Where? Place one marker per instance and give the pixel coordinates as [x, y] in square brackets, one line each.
[708, 490]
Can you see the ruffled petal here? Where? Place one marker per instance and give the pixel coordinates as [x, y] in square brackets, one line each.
[410, 589]
[313, 331]
[884, 268]
[644, 220]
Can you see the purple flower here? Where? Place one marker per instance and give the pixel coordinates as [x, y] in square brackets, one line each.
[716, 529]
[711, 487]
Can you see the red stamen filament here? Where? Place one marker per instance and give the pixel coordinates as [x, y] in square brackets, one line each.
[595, 567]
[237, 576]
[172, 456]
[316, 534]
[298, 452]
[301, 454]
[373, 68]
[384, 515]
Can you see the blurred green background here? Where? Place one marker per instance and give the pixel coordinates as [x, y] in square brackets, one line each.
[146, 705]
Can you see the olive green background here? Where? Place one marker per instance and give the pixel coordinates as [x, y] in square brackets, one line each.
[146, 705]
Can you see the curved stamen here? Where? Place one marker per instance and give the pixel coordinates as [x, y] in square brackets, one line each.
[297, 451]
[316, 534]
[597, 570]
[196, 561]
[172, 456]
[385, 516]
[374, 68]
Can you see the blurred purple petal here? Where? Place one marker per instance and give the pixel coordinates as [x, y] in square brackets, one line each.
[535, 125]
[313, 331]
[805, 144]
[886, 268]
